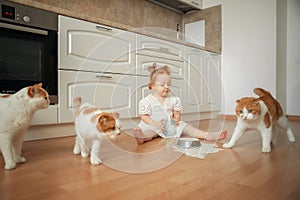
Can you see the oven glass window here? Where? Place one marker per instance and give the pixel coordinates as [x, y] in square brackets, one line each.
[21, 56]
[27, 58]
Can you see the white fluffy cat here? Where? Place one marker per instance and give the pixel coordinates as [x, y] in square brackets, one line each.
[16, 113]
[92, 125]
[262, 114]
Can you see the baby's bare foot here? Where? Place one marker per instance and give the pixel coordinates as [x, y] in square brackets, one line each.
[138, 134]
[216, 136]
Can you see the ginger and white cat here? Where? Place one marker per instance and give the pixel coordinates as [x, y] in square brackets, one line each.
[16, 113]
[260, 113]
[92, 125]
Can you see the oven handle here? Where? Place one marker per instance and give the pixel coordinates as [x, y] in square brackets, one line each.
[23, 28]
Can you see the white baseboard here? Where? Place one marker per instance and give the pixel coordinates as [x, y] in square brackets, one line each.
[39, 132]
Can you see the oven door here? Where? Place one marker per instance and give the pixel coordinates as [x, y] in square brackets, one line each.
[27, 56]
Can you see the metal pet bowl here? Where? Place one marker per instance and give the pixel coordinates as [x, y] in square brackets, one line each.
[188, 143]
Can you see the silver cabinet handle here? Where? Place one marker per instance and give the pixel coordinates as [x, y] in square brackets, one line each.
[103, 28]
[164, 49]
[103, 76]
[196, 50]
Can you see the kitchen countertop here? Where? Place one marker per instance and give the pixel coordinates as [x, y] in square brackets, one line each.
[88, 17]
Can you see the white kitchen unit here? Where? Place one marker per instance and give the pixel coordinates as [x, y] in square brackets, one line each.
[109, 69]
[87, 46]
[159, 48]
[143, 62]
[45, 116]
[202, 81]
[214, 81]
[96, 63]
[110, 92]
[152, 50]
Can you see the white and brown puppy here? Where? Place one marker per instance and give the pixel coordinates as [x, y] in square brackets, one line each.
[16, 112]
[92, 125]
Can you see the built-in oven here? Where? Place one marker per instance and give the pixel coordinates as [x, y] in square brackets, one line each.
[28, 48]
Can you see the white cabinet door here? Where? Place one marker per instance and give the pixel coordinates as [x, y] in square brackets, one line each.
[143, 62]
[203, 81]
[196, 82]
[45, 116]
[214, 81]
[159, 48]
[88, 46]
[110, 92]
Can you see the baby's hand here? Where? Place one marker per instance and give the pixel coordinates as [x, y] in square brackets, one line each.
[175, 119]
[159, 124]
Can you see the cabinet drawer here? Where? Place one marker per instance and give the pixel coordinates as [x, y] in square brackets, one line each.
[45, 116]
[91, 47]
[109, 92]
[143, 62]
[159, 48]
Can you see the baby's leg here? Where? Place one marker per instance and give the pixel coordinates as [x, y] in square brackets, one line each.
[197, 133]
[142, 137]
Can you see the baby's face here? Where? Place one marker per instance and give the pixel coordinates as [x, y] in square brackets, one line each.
[162, 84]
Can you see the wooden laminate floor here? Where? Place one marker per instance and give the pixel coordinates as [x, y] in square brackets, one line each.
[53, 172]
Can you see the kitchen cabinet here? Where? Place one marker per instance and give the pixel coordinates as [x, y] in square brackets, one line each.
[87, 46]
[214, 81]
[143, 62]
[109, 69]
[152, 50]
[96, 63]
[202, 75]
[45, 116]
[159, 48]
[109, 92]
[161, 52]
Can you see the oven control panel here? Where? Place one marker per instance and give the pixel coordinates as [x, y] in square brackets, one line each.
[11, 12]
[8, 12]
